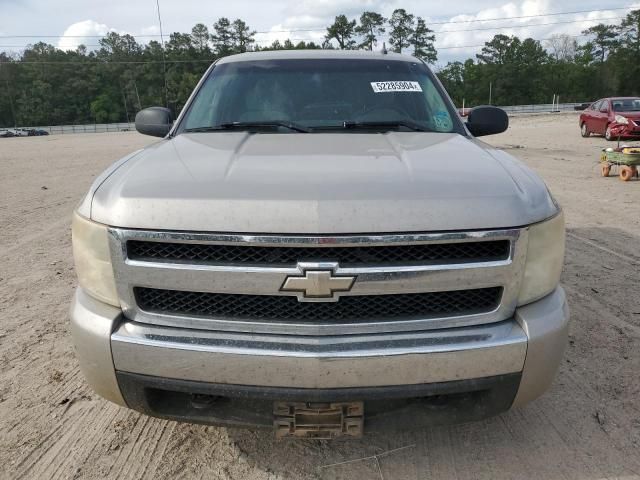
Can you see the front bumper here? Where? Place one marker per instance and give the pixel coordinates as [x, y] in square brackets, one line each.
[627, 131]
[132, 364]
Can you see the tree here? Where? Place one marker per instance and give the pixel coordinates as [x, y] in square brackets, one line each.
[301, 45]
[401, 24]
[452, 77]
[342, 31]
[242, 36]
[223, 38]
[603, 42]
[626, 59]
[114, 44]
[46, 85]
[563, 47]
[370, 27]
[422, 39]
[200, 37]
[495, 51]
[630, 31]
[179, 43]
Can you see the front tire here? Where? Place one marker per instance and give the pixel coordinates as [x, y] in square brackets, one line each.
[607, 134]
[584, 130]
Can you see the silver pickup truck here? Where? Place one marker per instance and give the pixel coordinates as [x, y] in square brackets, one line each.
[319, 245]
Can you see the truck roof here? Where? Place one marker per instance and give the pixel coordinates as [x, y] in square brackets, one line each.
[316, 54]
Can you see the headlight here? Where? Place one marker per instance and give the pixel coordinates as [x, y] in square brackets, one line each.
[545, 258]
[622, 120]
[93, 259]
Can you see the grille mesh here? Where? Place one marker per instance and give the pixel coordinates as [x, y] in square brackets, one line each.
[346, 256]
[347, 309]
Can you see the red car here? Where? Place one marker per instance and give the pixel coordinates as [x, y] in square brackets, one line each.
[612, 117]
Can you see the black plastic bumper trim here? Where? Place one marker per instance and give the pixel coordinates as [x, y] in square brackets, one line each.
[398, 407]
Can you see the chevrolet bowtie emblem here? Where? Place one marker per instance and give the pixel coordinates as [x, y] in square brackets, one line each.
[318, 284]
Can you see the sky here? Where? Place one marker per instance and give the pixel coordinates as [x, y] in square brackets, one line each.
[67, 23]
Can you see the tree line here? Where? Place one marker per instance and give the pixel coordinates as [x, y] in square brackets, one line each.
[47, 86]
[527, 71]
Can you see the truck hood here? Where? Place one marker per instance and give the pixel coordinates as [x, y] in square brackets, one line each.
[319, 183]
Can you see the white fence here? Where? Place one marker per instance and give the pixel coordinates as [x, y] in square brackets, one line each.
[89, 128]
[126, 127]
[541, 108]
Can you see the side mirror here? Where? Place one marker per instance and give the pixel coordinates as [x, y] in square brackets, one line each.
[154, 121]
[487, 121]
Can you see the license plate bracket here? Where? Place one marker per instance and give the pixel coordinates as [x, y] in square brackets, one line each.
[321, 421]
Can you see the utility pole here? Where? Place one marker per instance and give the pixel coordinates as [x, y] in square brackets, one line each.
[490, 93]
[135, 86]
[13, 112]
[164, 61]
[124, 99]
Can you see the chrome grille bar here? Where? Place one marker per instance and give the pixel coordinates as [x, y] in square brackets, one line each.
[266, 280]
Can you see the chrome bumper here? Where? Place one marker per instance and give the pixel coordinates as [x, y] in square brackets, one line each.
[532, 343]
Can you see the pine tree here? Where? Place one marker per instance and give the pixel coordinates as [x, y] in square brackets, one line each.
[371, 26]
[422, 40]
[342, 31]
[223, 38]
[401, 24]
[242, 36]
[200, 37]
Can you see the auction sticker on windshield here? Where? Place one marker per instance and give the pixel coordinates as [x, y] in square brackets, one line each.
[398, 86]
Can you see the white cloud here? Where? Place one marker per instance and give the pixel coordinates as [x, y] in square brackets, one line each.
[459, 31]
[309, 19]
[311, 26]
[293, 15]
[150, 30]
[539, 27]
[81, 33]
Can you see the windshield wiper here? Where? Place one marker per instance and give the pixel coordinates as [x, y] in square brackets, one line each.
[249, 126]
[384, 124]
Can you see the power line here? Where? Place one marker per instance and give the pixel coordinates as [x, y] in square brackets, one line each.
[164, 59]
[322, 29]
[534, 16]
[529, 25]
[484, 44]
[93, 62]
[143, 62]
[437, 32]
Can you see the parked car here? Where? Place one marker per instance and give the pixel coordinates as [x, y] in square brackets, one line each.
[37, 132]
[582, 106]
[612, 117]
[319, 245]
[21, 132]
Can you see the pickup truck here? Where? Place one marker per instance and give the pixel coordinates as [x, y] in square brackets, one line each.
[321, 246]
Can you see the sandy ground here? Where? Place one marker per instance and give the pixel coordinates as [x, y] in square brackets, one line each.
[53, 426]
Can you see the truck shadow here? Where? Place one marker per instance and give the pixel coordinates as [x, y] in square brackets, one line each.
[587, 426]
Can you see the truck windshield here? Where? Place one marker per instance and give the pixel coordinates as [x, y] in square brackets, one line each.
[297, 96]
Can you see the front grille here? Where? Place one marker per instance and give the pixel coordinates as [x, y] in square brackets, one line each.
[346, 309]
[346, 256]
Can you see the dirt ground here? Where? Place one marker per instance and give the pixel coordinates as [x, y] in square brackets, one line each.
[53, 426]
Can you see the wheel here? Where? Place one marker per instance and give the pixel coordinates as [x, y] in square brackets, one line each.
[626, 173]
[607, 134]
[584, 130]
[605, 169]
